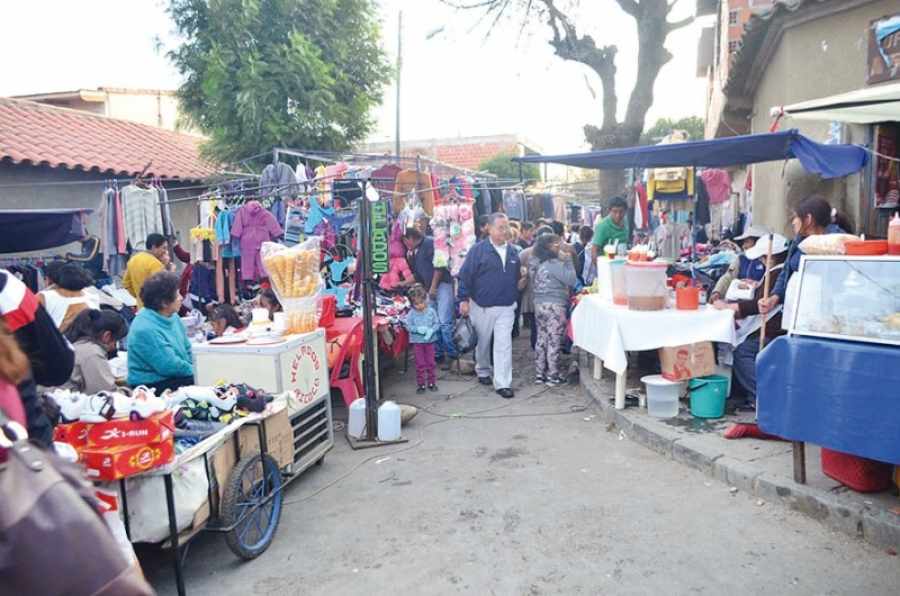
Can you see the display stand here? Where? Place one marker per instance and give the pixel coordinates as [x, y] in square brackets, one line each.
[370, 341]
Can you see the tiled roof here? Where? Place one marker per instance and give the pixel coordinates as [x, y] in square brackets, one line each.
[34, 133]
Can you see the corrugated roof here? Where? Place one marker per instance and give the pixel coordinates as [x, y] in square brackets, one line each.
[34, 133]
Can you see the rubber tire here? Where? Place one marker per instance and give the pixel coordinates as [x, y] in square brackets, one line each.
[231, 512]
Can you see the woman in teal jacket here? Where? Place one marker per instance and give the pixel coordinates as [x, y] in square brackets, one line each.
[159, 353]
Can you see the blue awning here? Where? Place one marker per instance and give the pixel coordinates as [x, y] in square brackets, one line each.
[829, 161]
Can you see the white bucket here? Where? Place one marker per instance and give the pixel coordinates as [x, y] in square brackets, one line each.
[356, 423]
[388, 421]
[662, 396]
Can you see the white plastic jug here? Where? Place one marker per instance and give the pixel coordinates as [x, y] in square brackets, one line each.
[388, 421]
[356, 424]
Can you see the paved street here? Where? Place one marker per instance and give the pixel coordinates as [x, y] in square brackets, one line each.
[530, 496]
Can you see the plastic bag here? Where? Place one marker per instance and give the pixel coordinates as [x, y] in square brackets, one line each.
[464, 335]
[147, 501]
[826, 244]
[294, 272]
[297, 281]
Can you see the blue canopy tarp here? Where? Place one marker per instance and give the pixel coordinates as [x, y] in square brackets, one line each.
[829, 161]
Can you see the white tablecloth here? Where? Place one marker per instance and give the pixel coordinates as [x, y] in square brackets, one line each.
[608, 330]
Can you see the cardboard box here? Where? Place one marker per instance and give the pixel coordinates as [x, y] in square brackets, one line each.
[687, 362]
[117, 433]
[114, 463]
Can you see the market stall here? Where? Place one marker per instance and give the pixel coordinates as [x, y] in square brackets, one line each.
[833, 381]
[609, 330]
[209, 458]
[616, 330]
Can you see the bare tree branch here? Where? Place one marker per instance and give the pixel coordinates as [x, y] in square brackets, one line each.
[672, 5]
[675, 25]
[631, 7]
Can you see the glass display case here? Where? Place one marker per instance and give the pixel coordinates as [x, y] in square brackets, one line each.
[851, 298]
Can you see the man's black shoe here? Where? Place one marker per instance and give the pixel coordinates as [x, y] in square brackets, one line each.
[485, 380]
[506, 393]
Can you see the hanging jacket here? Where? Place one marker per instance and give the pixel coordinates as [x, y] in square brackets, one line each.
[254, 225]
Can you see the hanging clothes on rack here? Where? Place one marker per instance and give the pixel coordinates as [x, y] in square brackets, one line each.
[142, 214]
[408, 181]
[254, 225]
[514, 204]
[384, 179]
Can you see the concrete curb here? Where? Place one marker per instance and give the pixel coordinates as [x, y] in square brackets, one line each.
[840, 512]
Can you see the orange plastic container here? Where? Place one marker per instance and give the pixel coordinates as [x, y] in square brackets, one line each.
[687, 298]
[865, 248]
[894, 235]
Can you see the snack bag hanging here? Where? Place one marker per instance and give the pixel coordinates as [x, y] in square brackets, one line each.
[296, 280]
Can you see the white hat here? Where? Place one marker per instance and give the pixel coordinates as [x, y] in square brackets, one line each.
[753, 232]
[761, 248]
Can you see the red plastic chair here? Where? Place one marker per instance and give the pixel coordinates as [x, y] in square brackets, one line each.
[350, 385]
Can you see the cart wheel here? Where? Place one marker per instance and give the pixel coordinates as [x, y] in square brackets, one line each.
[250, 483]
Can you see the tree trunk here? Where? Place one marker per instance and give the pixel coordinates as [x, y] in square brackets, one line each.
[610, 183]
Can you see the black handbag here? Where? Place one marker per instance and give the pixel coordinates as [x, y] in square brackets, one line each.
[53, 541]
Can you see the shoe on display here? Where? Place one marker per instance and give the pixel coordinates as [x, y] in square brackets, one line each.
[485, 380]
[226, 401]
[432, 387]
[506, 393]
[105, 406]
[145, 404]
[420, 389]
[70, 403]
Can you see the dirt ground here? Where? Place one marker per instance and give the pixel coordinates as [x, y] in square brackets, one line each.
[528, 496]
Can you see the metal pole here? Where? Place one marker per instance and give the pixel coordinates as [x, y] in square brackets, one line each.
[399, 68]
[368, 304]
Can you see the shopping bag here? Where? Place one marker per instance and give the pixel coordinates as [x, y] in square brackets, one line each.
[464, 335]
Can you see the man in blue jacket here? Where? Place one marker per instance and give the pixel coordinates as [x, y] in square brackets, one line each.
[488, 290]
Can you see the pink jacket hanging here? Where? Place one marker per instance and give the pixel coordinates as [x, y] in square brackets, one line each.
[254, 225]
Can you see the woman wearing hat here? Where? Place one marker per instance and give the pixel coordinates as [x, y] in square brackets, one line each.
[742, 267]
[748, 317]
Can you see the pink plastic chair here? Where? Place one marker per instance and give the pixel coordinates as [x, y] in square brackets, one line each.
[350, 385]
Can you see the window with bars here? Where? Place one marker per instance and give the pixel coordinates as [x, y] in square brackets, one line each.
[733, 46]
[733, 17]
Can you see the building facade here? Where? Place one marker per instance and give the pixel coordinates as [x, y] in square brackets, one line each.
[797, 52]
[56, 158]
[154, 107]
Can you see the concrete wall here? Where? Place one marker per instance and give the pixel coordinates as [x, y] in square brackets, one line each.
[815, 59]
[25, 187]
[154, 109]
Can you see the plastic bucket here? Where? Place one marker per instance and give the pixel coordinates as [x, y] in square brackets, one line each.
[662, 396]
[687, 298]
[708, 395]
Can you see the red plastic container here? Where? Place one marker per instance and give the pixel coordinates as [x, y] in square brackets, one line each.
[866, 248]
[687, 298]
[860, 474]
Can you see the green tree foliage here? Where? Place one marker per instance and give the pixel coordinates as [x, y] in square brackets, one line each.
[291, 73]
[692, 124]
[502, 166]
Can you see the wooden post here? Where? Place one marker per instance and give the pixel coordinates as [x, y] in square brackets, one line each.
[766, 284]
[799, 448]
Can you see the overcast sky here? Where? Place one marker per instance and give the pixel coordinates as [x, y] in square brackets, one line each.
[455, 84]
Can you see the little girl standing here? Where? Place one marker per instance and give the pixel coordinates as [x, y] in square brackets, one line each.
[423, 323]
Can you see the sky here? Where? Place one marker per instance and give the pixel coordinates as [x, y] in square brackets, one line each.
[456, 79]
